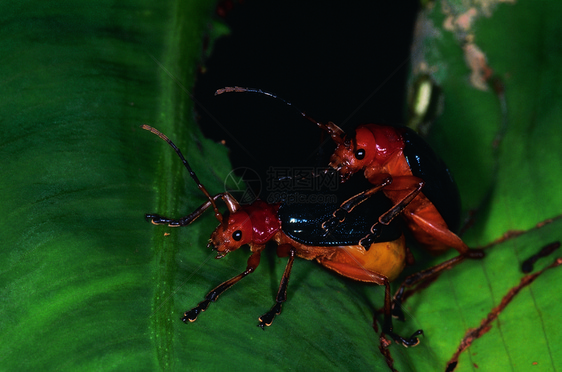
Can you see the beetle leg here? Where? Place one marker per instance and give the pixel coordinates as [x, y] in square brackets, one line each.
[417, 278]
[347, 206]
[212, 296]
[267, 318]
[447, 237]
[355, 272]
[424, 219]
[388, 216]
[387, 324]
[156, 219]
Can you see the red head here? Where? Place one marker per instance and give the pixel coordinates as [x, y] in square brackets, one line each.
[234, 231]
[370, 146]
[253, 224]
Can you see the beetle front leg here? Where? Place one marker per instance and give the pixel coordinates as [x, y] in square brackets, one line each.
[212, 296]
[340, 214]
[388, 216]
[267, 318]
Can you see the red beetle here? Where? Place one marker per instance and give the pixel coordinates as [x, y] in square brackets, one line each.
[298, 232]
[382, 152]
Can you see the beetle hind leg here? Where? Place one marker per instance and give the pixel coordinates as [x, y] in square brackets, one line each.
[387, 323]
[418, 278]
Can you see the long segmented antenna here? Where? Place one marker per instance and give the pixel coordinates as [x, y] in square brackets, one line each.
[218, 215]
[335, 132]
[265, 93]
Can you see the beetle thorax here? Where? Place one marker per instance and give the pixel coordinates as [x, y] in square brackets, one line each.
[265, 221]
[381, 141]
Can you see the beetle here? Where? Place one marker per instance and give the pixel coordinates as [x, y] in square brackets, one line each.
[383, 151]
[359, 247]
[398, 154]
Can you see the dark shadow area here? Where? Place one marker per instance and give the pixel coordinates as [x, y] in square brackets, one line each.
[345, 63]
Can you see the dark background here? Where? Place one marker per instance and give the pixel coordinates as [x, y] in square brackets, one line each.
[345, 62]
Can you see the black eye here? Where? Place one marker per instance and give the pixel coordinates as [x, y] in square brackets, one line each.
[360, 154]
[237, 235]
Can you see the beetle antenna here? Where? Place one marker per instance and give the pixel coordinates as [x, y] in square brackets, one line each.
[191, 172]
[335, 132]
[265, 93]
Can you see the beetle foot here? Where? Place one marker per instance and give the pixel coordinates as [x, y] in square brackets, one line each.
[151, 217]
[328, 225]
[334, 221]
[412, 341]
[156, 219]
[192, 314]
[267, 318]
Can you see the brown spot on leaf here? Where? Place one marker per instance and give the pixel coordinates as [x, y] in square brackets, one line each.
[465, 20]
[476, 61]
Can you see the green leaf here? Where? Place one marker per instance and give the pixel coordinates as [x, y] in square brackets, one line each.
[87, 284]
[508, 95]
[80, 279]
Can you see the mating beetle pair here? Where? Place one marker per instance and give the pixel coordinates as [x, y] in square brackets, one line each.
[376, 251]
[398, 153]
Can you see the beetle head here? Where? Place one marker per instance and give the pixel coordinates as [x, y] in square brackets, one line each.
[235, 228]
[354, 153]
[234, 231]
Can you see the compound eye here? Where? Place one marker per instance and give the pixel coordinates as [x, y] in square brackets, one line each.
[360, 154]
[237, 235]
